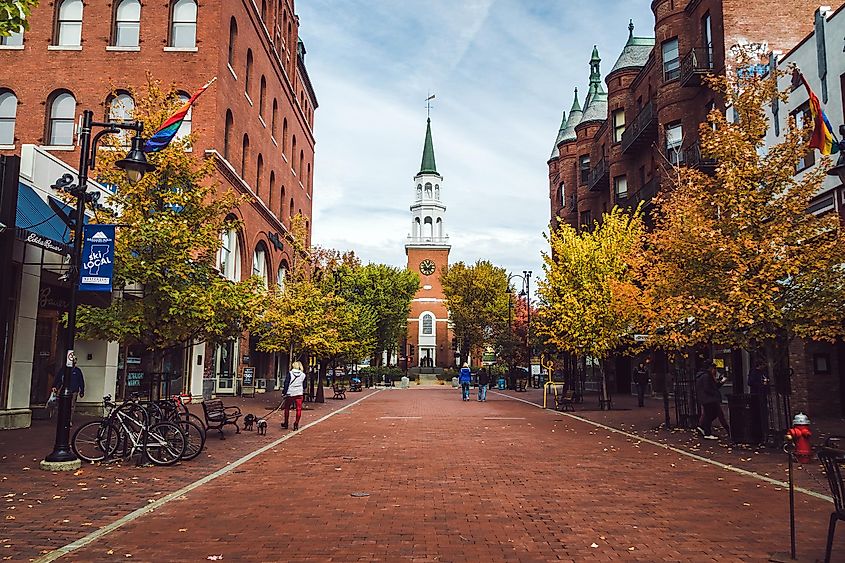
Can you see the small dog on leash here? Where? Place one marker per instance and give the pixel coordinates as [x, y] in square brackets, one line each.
[262, 427]
[249, 420]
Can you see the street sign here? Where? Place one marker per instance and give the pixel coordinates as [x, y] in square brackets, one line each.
[97, 258]
[640, 337]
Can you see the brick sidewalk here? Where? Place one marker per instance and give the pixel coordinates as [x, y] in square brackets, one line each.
[43, 511]
[421, 476]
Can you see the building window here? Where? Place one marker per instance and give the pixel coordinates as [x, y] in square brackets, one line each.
[293, 155]
[674, 138]
[183, 24]
[561, 198]
[244, 155]
[121, 108]
[618, 125]
[281, 274]
[15, 39]
[273, 119]
[62, 114]
[586, 219]
[127, 24]
[248, 74]
[229, 263]
[282, 203]
[707, 38]
[69, 23]
[620, 187]
[233, 40]
[259, 174]
[437, 191]
[185, 128]
[271, 189]
[419, 191]
[227, 136]
[259, 264]
[428, 227]
[262, 95]
[290, 209]
[671, 59]
[8, 113]
[584, 168]
[427, 324]
[803, 118]
[284, 134]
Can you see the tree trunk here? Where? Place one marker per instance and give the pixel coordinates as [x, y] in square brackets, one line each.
[320, 396]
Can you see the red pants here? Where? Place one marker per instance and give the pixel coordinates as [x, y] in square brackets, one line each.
[289, 401]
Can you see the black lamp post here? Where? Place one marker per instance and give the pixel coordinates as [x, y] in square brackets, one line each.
[524, 292]
[135, 164]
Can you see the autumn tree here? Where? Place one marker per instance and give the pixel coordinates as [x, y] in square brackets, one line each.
[14, 15]
[587, 297]
[477, 299]
[168, 291]
[736, 257]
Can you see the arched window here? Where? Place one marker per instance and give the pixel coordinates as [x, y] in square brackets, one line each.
[282, 203]
[437, 191]
[244, 155]
[281, 274]
[293, 154]
[8, 113]
[301, 160]
[428, 190]
[185, 128]
[233, 40]
[121, 108]
[439, 231]
[183, 24]
[271, 190]
[428, 228]
[229, 262]
[427, 324]
[290, 210]
[259, 263]
[14, 39]
[248, 75]
[259, 174]
[264, 10]
[274, 120]
[262, 94]
[127, 24]
[69, 23]
[227, 136]
[419, 191]
[62, 116]
[308, 176]
[284, 134]
[417, 227]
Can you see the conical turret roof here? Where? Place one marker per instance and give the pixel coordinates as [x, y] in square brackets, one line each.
[636, 51]
[555, 152]
[575, 113]
[428, 165]
[595, 106]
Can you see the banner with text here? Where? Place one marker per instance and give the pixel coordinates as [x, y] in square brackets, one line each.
[97, 258]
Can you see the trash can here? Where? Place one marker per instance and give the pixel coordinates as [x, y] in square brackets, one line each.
[746, 418]
[405, 382]
[454, 382]
[501, 384]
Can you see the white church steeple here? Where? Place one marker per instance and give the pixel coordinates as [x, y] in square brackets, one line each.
[428, 211]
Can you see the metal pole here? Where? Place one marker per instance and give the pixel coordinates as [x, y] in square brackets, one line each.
[527, 279]
[61, 449]
[790, 448]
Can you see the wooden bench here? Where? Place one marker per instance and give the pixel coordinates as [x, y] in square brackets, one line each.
[565, 401]
[521, 384]
[217, 416]
[339, 391]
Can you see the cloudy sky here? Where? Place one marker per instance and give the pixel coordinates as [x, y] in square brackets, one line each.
[502, 72]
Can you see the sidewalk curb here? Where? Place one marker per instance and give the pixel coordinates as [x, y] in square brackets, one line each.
[153, 506]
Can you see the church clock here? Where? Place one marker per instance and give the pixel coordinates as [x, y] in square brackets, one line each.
[427, 267]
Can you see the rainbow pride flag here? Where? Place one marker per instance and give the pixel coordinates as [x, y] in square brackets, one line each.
[822, 137]
[168, 129]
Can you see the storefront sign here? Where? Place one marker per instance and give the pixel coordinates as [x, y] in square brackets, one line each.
[97, 258]
[248, 382]
[133, 361]
[134, 378]
[46, 243]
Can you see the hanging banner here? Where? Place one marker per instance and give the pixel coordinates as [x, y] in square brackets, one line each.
[97, 258]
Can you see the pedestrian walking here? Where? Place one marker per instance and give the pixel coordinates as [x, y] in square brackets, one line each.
[641, 380]
[293, 391]
[76, 385]
[707, 384]
[483, 383]
[465, 378]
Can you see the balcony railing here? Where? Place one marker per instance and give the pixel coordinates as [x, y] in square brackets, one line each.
[599, 176]
[424, 240]
[645, 194]
[693, 158]
[695, 65]
[642, 130]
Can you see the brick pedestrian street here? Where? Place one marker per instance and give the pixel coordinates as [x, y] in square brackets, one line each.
[419, 475]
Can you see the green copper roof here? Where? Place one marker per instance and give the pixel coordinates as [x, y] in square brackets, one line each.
[428, 166]
[595, 105]
[559, 138]
[636, 51]
[574, 119]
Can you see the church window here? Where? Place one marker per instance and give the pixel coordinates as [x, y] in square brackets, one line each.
[439, 227]
[427, 324]
[428, 190]
[419, 191]
[428, 225]
[417, 227]
[437, 191]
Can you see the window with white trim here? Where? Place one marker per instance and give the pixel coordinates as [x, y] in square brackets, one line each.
[127, 24]
[183, 24]
[69, 24]
[8, 114]
[427, 324]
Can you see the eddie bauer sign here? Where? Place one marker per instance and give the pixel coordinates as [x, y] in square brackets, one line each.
[97, 258]
[45, 243]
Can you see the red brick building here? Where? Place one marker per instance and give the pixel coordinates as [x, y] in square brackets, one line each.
[616, 149]
[255, 123]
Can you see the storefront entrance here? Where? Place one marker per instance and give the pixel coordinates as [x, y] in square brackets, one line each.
[224, 364]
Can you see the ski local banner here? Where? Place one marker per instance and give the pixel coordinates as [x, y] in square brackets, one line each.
[97, 258]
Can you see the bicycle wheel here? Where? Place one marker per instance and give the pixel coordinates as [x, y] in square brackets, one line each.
[95, 441]
[194, 419]
[195, 437]
[165, 443]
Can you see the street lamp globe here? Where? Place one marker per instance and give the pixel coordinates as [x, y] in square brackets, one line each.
[135, 162]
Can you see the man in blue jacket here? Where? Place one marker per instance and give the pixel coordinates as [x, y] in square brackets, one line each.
[465, 378]
[76, 386]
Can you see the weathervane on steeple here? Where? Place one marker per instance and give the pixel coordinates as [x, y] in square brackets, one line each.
[428, 105]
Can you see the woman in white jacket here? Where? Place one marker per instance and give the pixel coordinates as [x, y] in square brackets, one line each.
[294, 390]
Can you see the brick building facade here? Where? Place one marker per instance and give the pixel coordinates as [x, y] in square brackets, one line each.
[255, 122]
[618, 147]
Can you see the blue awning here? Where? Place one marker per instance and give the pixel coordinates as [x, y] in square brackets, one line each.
[37, 224]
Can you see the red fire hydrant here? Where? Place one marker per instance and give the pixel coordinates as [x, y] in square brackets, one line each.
[800, 435]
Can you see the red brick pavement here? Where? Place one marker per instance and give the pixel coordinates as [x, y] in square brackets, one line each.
[42, 511]
[454, 481]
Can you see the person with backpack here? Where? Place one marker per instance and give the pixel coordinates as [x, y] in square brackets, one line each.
[465, 378]
[483, 383]
[294, 390]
